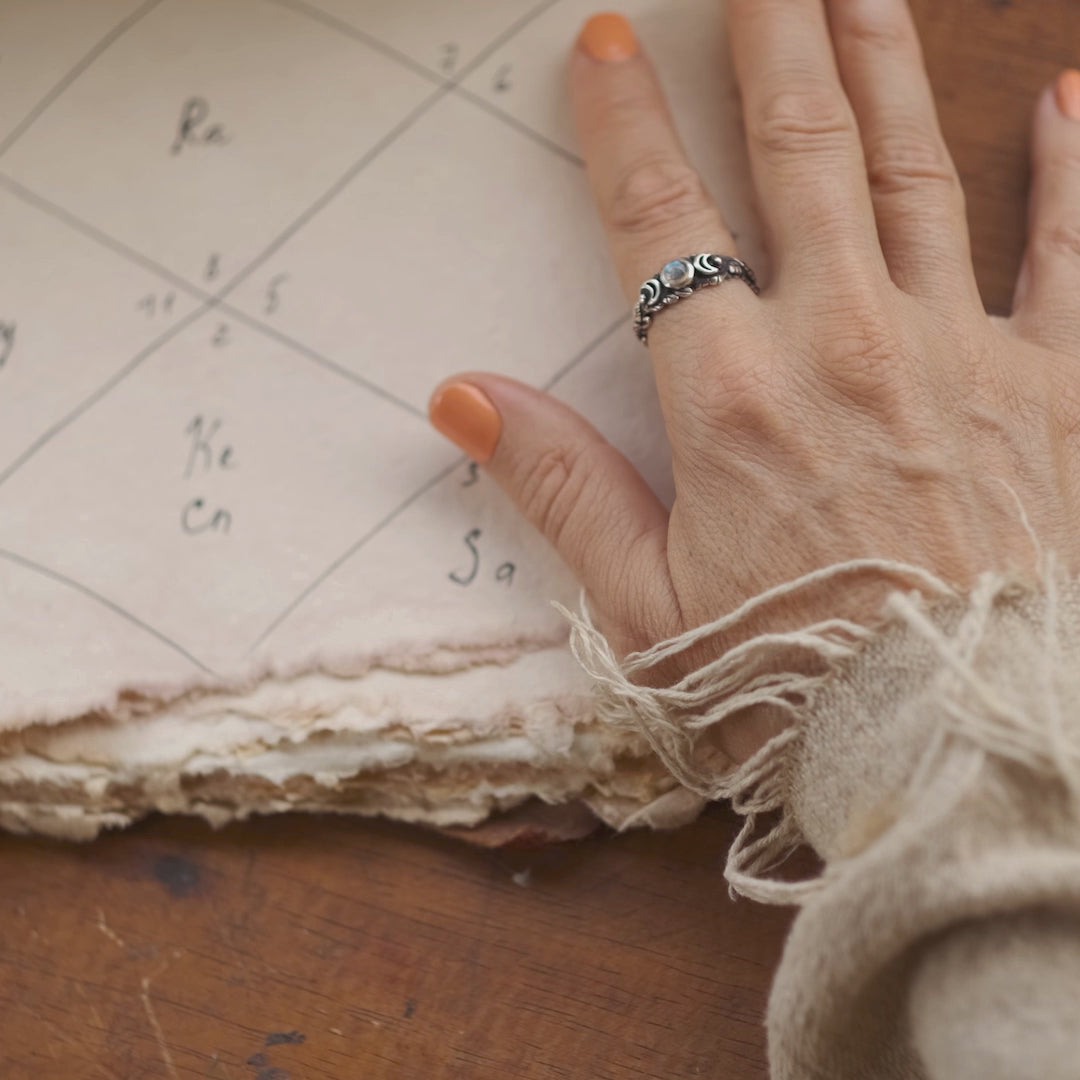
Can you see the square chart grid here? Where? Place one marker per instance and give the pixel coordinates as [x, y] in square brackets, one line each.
[328, 109]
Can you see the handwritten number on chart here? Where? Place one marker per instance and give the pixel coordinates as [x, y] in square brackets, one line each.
[273, 293]
[450, 53]
[474, 475]
[152, 304]
[213, 267]
[221, 335]
[504, 574]
[501, 82]
[194, 128]
[7, 341]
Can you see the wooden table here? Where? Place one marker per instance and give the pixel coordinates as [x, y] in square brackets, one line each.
[330, 949]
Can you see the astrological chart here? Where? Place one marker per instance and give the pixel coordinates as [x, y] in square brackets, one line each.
[243, 240]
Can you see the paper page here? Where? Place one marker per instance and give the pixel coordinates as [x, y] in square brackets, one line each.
[243, 240]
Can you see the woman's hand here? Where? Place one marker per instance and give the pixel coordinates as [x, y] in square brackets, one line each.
[863, 405]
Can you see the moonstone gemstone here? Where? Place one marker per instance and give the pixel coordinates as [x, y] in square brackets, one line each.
[677, 274]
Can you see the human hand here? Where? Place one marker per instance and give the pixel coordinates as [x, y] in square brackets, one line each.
[864, 405]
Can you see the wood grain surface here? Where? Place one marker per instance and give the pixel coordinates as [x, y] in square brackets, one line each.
[331, 949]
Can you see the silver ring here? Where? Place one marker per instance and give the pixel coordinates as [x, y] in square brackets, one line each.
[681, 277]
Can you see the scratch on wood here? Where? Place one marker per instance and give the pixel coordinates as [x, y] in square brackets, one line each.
[276, 1038]
[163, 1046]
[218, 1069]
[107, 930]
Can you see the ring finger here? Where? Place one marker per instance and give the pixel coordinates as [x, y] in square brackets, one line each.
[652, 202]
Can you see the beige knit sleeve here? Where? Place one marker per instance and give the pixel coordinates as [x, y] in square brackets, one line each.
[933, 761]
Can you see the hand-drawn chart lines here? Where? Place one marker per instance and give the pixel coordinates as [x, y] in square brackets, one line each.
[214, 302]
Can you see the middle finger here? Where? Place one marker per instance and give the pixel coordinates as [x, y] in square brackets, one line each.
[803, 140]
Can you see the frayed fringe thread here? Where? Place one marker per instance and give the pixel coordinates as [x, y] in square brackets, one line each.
[672, 719]
[1035, 736]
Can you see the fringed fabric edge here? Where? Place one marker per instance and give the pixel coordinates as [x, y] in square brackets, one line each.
[672, 719]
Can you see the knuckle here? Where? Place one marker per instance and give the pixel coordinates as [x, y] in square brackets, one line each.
[550, 488]
[1061, 239]
[906, 161]
[743, 401]
[654, 193]
[801, 117]
[866, 27]
[866, 364]
[1064, 160]
[872, 378]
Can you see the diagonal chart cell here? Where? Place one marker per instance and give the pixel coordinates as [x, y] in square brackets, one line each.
[73, 316]
[457, 575]
[241, 96]
[212, 484]
[463, 246]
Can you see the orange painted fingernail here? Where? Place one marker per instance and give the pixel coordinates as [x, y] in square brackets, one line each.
[466, 416]
[608, 36]
[1067, 93]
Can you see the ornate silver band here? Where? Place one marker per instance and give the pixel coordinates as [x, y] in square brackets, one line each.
[681, 277]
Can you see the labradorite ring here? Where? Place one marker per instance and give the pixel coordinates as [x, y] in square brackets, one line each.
[681, 277]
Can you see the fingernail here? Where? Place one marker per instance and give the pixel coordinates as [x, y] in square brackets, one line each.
[466, 416]
[1067, 93]
[609, 37]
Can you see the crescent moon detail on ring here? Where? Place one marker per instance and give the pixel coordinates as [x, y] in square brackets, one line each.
[708, 264]
[650, 292]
